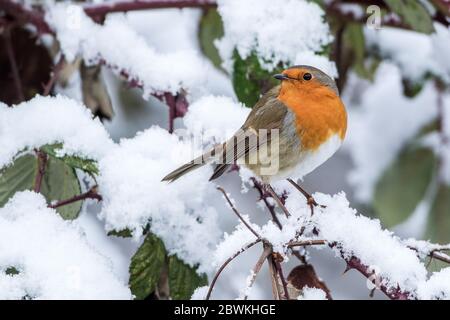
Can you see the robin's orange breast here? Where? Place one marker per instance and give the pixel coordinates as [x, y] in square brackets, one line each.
[319, 111]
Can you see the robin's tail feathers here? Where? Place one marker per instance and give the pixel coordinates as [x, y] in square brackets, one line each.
[181, 171]
[194, 164]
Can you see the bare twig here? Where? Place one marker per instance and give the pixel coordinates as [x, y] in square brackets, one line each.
[237, 212]
[392, 293]
[309, 198]
[283, 279]
[90, 194]
[306, 243]
[263, 196]
[257, 268]
[99, 10]
[53, 76]
[41, 164]
[13, 63]
[278, 200]
[273, 276]
[222, 267]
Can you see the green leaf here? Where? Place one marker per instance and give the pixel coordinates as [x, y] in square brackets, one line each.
[211, 28]
[146, 266]
[59, 183]
[438, 227]
[17, 177]
[183, 279]
[413, 14]
[11, 271]
[250, 80]
[355, 44]
[403, 186]
[87, 165]
[124, 233]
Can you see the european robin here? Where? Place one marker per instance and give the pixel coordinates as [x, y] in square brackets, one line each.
[297, 125]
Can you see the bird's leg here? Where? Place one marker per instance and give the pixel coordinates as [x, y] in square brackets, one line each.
[277, 199]
[309, 198]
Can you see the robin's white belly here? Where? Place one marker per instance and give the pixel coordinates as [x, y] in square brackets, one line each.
[309, 160]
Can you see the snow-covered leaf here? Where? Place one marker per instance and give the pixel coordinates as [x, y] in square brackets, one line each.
[146, 265]
[250, 80]
[87, 165]
[17, 177]
[183, 279]
[403, 186]
[59, 182]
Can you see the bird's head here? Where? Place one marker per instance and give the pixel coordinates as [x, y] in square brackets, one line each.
[306, 78]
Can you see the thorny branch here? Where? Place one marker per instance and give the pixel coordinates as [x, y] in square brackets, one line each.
[53, 76]
[90, 194]
[222, 267]
[257, 268]
[35, 16]
[237, 213]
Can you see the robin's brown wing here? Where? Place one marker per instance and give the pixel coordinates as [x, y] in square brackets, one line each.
[268, 113]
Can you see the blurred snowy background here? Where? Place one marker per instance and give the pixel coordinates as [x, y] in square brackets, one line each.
[392, 67]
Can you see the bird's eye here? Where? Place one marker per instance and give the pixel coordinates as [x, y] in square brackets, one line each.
[307, 76]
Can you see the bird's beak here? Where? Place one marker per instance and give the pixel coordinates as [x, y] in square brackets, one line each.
[280, 76]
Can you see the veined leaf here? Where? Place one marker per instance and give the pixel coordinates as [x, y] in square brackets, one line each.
[146, 266]
[87, 165]
[183, 279]
[250, 80]
[17, 177]
[211, 28]
[59, 183]
[403, 186]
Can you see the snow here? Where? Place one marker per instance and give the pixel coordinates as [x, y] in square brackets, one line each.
[383, 105]
[415, 53]
[233, 243]
[200, 293]
[130, 173]
[125, 52]
[437, 287]
[133, 194]
[214, 119]
[52, 256]
[360, 236]
[43, 121]
[312, 294]
[248, 30]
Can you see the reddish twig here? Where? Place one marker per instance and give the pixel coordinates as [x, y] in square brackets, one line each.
[13, 63]
[90, 194]
[99, 10]
[306, 243]
[392, 293]
[263, 196]
[278, 200]
[222, 267]
[283, 279]
[237, 213]
[41, 164]
[53, 76]
[257, 268]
